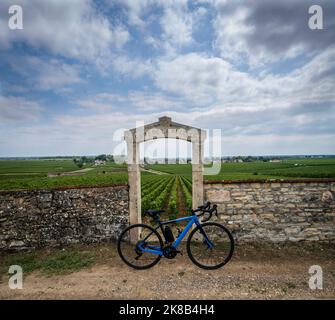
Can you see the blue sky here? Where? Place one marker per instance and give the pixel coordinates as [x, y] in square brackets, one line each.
[80, 72]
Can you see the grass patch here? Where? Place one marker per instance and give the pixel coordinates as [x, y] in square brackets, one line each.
[67, 261]
[29, 262]
[49, 263]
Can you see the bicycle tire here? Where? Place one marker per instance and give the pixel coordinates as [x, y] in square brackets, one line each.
[226, 260]
[121, 254]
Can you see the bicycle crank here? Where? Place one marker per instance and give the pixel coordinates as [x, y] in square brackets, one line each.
[170, 252]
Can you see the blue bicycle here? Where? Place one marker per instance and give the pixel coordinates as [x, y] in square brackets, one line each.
[209, 245]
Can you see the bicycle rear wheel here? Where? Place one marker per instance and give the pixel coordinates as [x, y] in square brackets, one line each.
[132, 253]
[210, 246]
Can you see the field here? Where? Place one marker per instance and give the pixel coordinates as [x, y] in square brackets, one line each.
[287, 169]
[172, 189]
[291, 168]
[170, 192]
[39, 174]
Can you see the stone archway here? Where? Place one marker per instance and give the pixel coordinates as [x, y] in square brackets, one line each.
[164, 128]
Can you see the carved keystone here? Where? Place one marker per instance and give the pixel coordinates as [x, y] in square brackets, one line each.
[164, 121]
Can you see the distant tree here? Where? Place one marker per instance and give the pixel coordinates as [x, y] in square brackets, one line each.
[101, 157]
[111, 158]
[78, 162]
[81, 161]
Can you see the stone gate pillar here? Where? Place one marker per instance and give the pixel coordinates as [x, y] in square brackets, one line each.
[197, 173]
[134, 181]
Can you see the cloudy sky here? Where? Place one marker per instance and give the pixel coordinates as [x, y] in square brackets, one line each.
[82, 71]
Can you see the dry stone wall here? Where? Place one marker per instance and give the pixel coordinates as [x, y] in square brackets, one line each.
[270, 211]
[40, 218]
[276, 211]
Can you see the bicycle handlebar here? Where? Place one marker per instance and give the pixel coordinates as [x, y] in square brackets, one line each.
[206, 208]
[210, 212]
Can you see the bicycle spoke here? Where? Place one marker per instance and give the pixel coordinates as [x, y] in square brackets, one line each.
[132, 252]
[215, 256]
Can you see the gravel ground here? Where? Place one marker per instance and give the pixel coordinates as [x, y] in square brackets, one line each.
[255, 272]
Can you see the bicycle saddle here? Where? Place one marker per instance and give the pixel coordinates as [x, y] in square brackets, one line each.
[153, 213]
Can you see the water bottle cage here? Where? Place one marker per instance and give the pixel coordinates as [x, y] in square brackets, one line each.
[168, 235]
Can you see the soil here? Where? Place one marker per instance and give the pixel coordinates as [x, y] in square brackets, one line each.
[70, 173]
[154, 171]
[255, 272]
[181, 198]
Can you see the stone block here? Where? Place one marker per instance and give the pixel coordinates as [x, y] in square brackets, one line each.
[218, 195]
[275, 185]
[16, 244]
[292, 230]
[327, 197]
[269, 216]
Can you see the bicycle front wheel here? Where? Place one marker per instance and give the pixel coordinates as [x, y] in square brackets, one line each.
[131, 252]
[210, 246]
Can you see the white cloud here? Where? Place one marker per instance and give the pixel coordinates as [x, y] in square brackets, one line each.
[245, 132]
[53, 75]
[68, 28]
[176, 21]
[260, 32]
[18, 110]
[203, 79]
[231, 31]
[154, 101]
[208, 81]
[49, 74]
[134, 68]
[177, 26]
[134, 102]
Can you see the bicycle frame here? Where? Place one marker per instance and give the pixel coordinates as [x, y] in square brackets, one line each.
[192, 220]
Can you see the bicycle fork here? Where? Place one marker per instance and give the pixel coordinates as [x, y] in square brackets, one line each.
[207, 241]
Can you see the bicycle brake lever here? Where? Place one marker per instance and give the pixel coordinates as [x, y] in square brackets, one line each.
[211, 211]
[215, 210]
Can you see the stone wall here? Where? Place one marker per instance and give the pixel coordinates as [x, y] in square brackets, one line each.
[39, 218]
[276, 211]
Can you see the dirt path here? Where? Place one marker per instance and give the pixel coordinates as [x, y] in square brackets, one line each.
[154, 171]
[251, 274]
[69, 173]
[181, 205]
